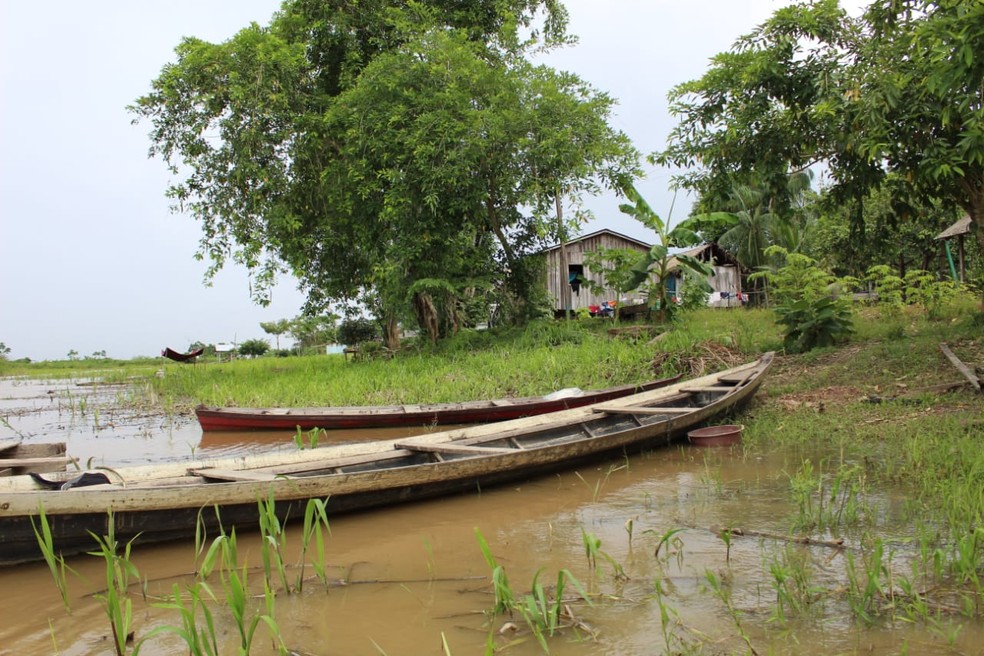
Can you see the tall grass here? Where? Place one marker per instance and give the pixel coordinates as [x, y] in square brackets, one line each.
[541, 358]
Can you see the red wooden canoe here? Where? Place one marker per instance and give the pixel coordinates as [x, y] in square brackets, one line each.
[466, 412]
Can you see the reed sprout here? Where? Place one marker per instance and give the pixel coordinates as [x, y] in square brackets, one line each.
[55, 561]
[120, 571]
[722, 590]
[541, 612]
[315, 528]
[273, 541]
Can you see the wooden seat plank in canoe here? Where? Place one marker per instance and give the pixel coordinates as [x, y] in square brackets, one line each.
[448, 447]
[338, 463]
[642, 410]
[328, 464]
[235, 474]
[34, 462]
[739, 378]
[707, 388]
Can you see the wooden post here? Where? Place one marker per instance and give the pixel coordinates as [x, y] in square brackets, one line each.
[565, 283]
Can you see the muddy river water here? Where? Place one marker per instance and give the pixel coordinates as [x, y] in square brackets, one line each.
[413, 579]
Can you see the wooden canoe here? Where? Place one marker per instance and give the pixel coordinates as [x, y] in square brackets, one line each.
[152, 503]
[466, 412]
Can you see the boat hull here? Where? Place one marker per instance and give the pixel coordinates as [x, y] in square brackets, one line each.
[435, 414]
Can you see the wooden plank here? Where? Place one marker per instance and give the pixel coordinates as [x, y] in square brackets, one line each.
[739, 377]
[234, 474]
[34, 462]
[642, 410]
[318, 465]
[708, 388]
[447, 447]
[961, 367]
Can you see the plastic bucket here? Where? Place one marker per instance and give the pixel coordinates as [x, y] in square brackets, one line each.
[724, 435]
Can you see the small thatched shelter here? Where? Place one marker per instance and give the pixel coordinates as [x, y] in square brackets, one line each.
[958, 230]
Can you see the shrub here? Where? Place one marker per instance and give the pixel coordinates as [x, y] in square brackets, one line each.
[693, 295]
[814, 323]
[254, 347]
[810, 305]
[356, 331]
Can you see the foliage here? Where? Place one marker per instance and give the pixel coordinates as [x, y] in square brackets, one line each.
[276, 328]
[357, 331]
[757, 216]
[616, 266]
[814, 324]
[761, 106]
[917, 287]
[254, 347]
[925, 290]
[810, 303]
[657, 262]
[850, 246]
[366, 150]
[694, 292]
[4, 351]
[311, 331]
[542, 614]
[894, 91]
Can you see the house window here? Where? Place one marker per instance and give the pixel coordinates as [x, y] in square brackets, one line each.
[575, 274]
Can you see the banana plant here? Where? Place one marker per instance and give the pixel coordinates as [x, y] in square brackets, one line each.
[657, 262]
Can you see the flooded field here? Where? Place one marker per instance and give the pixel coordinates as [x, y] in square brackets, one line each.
[646, 537]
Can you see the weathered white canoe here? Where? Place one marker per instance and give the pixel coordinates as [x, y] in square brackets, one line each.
[160, 502]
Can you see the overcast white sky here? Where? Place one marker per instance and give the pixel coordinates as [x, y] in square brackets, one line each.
[91, 258]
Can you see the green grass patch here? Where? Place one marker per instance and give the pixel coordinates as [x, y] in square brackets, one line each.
[538, 359]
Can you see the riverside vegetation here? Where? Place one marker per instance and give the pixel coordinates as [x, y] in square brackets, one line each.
[884, 411]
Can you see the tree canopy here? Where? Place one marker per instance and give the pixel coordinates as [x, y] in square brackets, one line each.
[897, 90]
[405, 150]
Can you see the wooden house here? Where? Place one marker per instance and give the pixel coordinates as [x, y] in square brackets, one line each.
[566, 271]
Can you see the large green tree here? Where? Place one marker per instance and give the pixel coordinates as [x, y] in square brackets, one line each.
[397, 149]
[898, 89]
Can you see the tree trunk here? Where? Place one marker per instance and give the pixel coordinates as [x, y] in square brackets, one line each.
[427, 315]
[392, 337]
